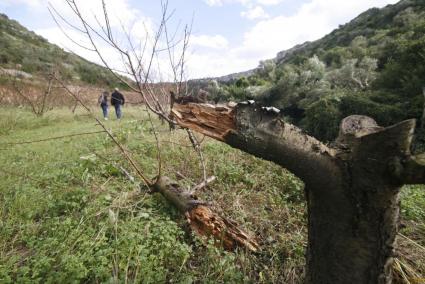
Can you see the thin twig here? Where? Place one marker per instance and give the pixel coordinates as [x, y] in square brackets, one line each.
[412, 241]
[203, 184]
[198, 149]
[121, 168]
[121, 147]
[53, 138]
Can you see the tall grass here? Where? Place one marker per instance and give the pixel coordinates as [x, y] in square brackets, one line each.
[68, 215]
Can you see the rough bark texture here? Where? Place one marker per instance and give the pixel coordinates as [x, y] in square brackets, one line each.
[261, 133]
[202, 219]
[352, 230]
[352, 189]
[423, 110]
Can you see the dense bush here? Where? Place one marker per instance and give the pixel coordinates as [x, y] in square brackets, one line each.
[322, 119]
[361, 104]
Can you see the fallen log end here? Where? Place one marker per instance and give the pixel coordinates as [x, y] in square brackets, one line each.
[205, 222]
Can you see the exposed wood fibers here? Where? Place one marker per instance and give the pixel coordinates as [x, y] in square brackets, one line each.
[205, 222]
[215, 121]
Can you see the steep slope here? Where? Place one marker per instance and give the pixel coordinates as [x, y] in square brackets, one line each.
[389, 20]
[24, 50]
[373, 65]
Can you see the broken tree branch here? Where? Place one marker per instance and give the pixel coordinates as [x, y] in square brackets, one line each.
[202, 219]
[260, 132]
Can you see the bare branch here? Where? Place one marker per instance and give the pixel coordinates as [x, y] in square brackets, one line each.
[121, 147]
[203, 184]
[65, 33]
[52, 138]
[197, 146]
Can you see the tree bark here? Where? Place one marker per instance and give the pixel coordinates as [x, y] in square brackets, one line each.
[352, 189]
[423, 110]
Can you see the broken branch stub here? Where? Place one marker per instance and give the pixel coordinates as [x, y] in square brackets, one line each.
[355, 126]
[213, 121]
[202, 219]
[205, 222]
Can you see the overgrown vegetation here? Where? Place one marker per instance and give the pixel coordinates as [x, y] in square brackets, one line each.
[25, 51]
[68, 214]
[374, 65]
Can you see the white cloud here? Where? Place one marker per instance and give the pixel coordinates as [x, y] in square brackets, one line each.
[269, 2]
[215, 42]
[214, 2]
[223, 2]
[246, 3]
[255, 13]
[57, 36]
[30, 3]
[200, 65]
[119, 11]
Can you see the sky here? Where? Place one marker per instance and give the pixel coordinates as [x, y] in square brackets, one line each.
[226, 36]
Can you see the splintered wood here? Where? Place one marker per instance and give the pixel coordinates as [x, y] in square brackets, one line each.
[205, 222]
[215, 121]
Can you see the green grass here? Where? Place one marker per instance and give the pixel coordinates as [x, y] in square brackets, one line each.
[69, 216]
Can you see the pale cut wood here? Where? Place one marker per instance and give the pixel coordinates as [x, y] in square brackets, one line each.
[202, 219]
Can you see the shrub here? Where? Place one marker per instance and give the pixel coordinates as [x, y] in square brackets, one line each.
[322, 119]
[361, 103]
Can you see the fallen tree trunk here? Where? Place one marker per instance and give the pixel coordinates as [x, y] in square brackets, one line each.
[202, 219]
[352, 189]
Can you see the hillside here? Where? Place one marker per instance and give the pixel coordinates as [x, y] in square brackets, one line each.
[373, 65]
[32, 54]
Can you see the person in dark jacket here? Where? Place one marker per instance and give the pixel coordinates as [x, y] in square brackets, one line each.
[103, 102]
[117, 100]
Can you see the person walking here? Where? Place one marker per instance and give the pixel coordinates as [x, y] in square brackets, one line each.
[103, 102]
[117, 100]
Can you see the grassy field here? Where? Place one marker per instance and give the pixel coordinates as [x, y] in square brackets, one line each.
[69, 215]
